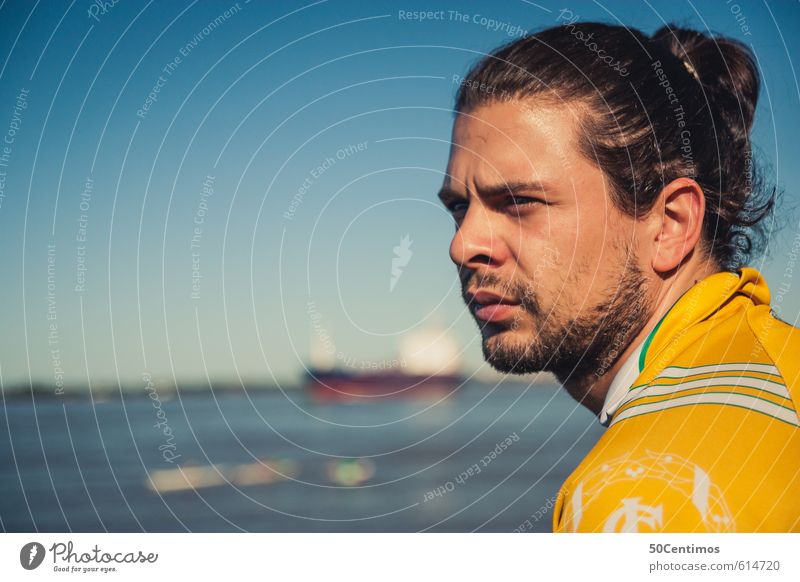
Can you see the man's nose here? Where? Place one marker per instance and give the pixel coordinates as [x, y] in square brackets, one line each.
[477, 241]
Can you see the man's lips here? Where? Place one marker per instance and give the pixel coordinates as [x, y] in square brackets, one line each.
[489, 306]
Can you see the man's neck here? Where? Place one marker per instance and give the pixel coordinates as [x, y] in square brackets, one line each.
[590, 389]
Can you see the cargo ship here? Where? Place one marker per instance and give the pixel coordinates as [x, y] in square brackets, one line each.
[427, 367]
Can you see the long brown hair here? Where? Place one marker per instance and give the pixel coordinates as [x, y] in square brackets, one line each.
[679, 103]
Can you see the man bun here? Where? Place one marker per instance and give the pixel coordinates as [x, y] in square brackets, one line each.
[725, 68]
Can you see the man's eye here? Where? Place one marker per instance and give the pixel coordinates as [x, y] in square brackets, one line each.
[522, 200]
[457, 206]
[518, 203]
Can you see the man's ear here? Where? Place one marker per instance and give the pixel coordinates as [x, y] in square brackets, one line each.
[676, 223]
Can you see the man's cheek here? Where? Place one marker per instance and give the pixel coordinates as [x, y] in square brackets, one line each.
[546, 267]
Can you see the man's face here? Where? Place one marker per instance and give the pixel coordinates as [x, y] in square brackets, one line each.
[547, 263]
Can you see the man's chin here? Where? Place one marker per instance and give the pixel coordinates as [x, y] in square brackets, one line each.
[510, 355]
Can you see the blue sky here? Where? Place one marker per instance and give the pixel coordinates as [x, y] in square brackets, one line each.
[335, 114]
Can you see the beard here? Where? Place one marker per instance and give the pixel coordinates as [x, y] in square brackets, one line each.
[568, 346]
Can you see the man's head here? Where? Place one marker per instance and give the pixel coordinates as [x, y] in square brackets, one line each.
[588, 164]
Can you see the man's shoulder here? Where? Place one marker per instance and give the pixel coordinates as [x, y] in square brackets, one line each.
[733, 368]
[713, 466]
[706, 441]
[660, 490]
[648, 490]
[780, 342]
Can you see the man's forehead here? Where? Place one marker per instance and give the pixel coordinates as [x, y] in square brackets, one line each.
[506, 134]
[505, 141]
[518, 120]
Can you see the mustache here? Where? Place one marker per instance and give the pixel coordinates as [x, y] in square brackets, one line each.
[514, 290]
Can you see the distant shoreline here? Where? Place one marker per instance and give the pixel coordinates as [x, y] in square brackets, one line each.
[80, 392]
[189, 389]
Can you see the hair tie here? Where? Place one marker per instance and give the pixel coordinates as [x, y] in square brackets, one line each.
[691, 70]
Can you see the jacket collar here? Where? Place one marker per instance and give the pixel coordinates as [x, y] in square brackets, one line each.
[701, 302]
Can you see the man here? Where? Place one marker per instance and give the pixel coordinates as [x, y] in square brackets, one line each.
[604, 216]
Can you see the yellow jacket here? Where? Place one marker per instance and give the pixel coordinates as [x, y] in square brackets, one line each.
[706, 439]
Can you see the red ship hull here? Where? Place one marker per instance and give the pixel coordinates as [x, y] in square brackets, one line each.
[328, 386]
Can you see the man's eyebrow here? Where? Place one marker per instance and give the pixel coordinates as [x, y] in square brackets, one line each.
[447, 194]
[517, 187]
